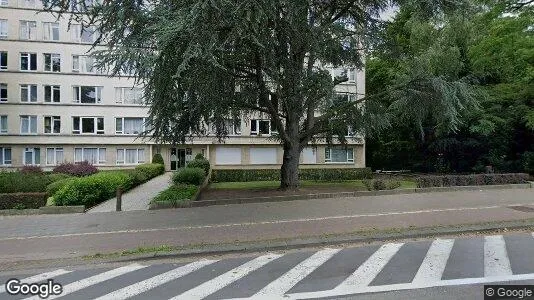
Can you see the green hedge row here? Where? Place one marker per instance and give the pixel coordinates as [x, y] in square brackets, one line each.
[194, 176]
[18, 182]
[243, 175]
[475, 179]
[22, 200]
[179, 194]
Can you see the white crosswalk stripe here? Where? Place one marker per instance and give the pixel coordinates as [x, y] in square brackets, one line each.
[219, 282]
[39, 278]
[150, 283]
[435, 261]
[365, 274]
[83, 283]
[496, 262]
[285, 282]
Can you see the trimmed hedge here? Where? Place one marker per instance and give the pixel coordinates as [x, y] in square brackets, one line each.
[244, 175]
[17, 182]
[52, 188]
[22, 200]
[379, 184]
[158, 159]
[79, 169]
[180, 195]
[194, 176]
[474, 179]
[151, 170]
[201, 163]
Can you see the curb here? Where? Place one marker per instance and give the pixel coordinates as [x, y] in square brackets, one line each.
[359, 194]
[44, 210]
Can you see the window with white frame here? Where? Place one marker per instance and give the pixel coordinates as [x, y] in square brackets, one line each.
[3, 124]
[28, 124]
[87, 94]
[339, 154]
[54, 156]
[82, 6]
[130, 156]
[5, 156]
[87, 125]
[28, 93]
[129, 125]
[4, 2]
[341, 98]
[84, 64]
[50, 31]
[52, 124]
[3, 92]
[28, 61]
[95, 156]
[81, 34]
[350, 74]
[3, 60]
[52, 62]
[129, 95]
[28, 30]
[31, 156]
[28, 3]
[232, 127]
[261, 127]
[3, 29]
[52, 93]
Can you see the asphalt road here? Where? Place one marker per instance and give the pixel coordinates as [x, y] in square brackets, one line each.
[428, 269]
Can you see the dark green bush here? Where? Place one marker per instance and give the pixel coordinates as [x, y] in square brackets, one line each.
[22, 200]
[55, 186]
[379, 184]
[475, 179]
[53, 177]
[243, 175]
[138, 177]
[31, 170]
[151, 170]
[158, 159]
[16, 182]
[199, 156]
[193, 176]
[200, 163]
[179, 194]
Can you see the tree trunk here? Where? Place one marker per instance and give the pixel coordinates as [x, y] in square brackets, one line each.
[289, 173]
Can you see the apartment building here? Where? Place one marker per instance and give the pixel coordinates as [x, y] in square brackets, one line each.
[55, 107]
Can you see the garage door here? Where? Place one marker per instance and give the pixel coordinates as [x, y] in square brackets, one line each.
[227, 156]
[263, 156]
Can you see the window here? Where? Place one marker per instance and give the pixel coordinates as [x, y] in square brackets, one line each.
[28, 61]
[5, 156]
[54, 156]
[3, 60]
[83, 64]
[83, 35]
[32, 156]
[3, 29]
[52, 93]
[28, 30]
[52, 124]
[28, 3]
[82, 6]
[3, 124]
[130, 156]
[261, 127]
[28, 124]
[50, 31]
[232, 127]
[52, 62]
[129, 125]
[341, 98]
[87, 94]
[93, 156]
[127, 95]
[263, 156]
[339, 154]
[227, 155]
[3, 92]
[350, 74]
[28, 93]
[4, 2]
[88, 125]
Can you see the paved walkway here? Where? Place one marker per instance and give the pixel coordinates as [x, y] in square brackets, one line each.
[139, 197]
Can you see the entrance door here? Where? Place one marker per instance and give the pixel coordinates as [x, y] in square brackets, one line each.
[177, 159]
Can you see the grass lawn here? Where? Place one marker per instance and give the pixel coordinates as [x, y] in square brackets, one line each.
[305, 183]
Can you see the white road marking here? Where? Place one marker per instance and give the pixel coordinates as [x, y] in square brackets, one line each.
[256, 223]
[209, 287]
[39, 278]
[433, 265]
[371, 267]
[496, 262]
[285, 282]
[86, 282]
[150, 283]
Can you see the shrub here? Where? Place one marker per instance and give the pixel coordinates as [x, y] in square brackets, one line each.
[79, 169]
[31, 170]
[379, 184]
[158, 159]
[137, 177]
[53, 187]
[22, 200]
[17, 182]
[180, 195]
[243, 175]
[193, 176]
[151, 170]
[200, 163]
[475, 179]
[53, 177]
[199, 156]
[392, 184]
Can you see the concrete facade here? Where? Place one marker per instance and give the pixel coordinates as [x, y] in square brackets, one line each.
[44, 73]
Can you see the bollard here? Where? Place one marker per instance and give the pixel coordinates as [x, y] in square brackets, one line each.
[119, 200]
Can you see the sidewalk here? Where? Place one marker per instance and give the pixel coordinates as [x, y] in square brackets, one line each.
[139, 197]
[63, 236]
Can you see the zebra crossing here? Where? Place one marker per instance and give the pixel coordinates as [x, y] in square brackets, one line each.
[307, 275]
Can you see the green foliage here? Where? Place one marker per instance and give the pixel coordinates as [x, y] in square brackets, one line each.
[179, 194]
[22, 200]
[55, 186]
[199, 156]
[194, 176]
[244, 175]
[158, 159]
[17, 182]
[467, 180]
[379, 184]
[151, 170]
[201, 163]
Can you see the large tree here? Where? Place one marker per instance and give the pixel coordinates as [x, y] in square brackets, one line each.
[203, 61]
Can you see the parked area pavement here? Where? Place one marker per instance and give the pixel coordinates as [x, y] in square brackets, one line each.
[411, 270]
[137, 198]
[40, 237]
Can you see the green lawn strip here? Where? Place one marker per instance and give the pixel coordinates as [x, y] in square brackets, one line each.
[305, 183]
[181, 194]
